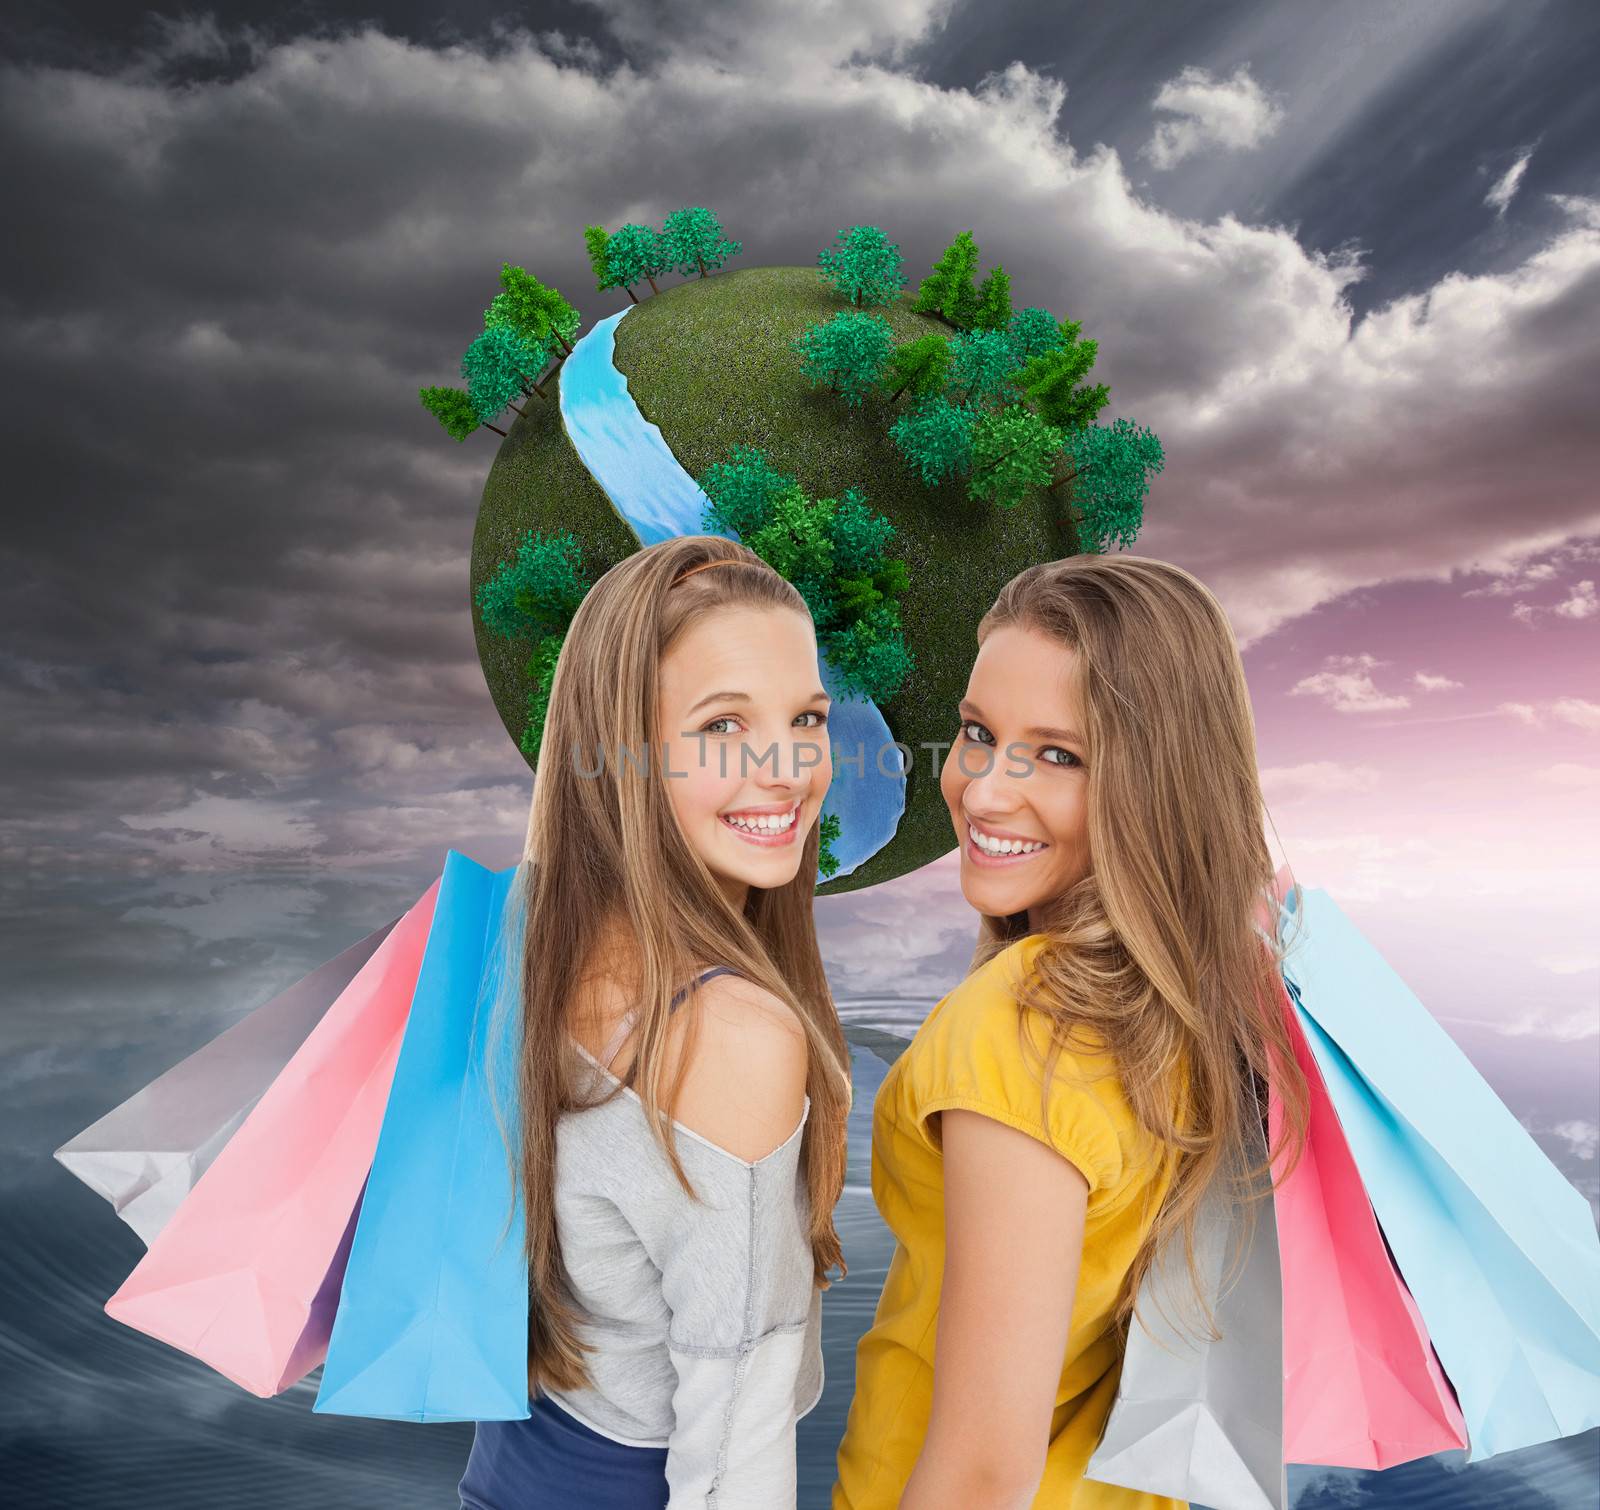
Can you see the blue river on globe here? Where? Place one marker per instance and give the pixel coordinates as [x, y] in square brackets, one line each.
[626, 454]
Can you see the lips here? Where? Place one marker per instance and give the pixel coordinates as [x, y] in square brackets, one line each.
[765, 838]
[990, 832]
[771, 809]
[983, 859]
[976, 855]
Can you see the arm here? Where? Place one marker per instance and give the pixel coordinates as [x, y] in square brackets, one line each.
[738, 1277]
[1014, 1219]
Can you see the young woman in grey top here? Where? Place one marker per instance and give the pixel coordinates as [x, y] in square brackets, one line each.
[683, 1079]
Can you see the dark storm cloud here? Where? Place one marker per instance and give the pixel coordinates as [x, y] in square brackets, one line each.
[222, 34]
[1397, 119]
[236, 558]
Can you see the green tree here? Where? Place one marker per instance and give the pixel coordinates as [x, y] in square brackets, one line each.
[533, 597]
[694, 239]
[537, 312]
[827, 833]
[564, 319]
[870, 656]
[1053, 382]
[982, 368]
[922, 365]
[948, 292]
[1110, 475]
[1012, 451]
[497, 366]
[856, 595]
[520, 304]
[796, 541]
[861, 536]
[540, 671]
[994, 301]
[527, 359]
[964, 306]
[1034, 331]
[537, 592]
[865, 266]
[454, 409]
[597, 240]
[935, 439]
[861, 539]
[847, 353]
[740, 492]
[635, 252]
[832, 550]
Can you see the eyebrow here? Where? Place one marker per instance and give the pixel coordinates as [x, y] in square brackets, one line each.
[1038, 731]
[743, 697]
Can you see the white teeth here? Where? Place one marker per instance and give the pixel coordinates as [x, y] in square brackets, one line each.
[1003, 846]
[767, 823]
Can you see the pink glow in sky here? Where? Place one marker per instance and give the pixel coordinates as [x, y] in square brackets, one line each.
[1431, 757]
[1430, 754]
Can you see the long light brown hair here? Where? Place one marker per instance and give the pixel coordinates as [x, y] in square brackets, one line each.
[1155, 956]
[604, 845]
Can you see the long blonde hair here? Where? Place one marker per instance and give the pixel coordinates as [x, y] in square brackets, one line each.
[604, 842]
[1154, 956]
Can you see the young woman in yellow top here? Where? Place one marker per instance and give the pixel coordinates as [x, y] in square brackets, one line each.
[1061, 1111]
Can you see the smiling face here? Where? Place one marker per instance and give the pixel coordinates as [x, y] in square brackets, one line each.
[1016, 775]
[743, 718]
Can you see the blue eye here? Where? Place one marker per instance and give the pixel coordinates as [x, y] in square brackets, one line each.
[729, 718]
[984, 737]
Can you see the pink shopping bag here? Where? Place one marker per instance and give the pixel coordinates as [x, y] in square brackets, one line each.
[1362, 1386]
[246, 1274]
[147, 1154]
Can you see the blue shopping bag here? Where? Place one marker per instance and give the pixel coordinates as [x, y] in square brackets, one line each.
[1497, 1247]
[432, 1323]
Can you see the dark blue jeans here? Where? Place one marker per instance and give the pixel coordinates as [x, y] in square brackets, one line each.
[552, 1461]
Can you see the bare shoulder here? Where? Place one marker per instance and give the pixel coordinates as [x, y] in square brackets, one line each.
[745, 1009]
[745, 1087]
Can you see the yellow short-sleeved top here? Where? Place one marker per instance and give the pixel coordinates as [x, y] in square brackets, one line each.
[969, 1052]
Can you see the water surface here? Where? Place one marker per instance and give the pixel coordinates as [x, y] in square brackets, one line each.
[108, 982]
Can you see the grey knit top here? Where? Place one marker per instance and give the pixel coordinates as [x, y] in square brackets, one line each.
[706, 1324]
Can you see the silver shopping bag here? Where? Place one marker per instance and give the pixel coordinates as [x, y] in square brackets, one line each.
[145, 1155]
[1197, 1420]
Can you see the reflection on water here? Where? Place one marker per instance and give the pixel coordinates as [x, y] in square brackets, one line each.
[96, 1414]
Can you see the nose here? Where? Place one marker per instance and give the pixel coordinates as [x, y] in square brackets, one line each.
[784, 769]
[804, 758]
[992, 790]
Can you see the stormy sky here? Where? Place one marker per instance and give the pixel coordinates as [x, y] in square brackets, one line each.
[1343, 259]
[1344, 262]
